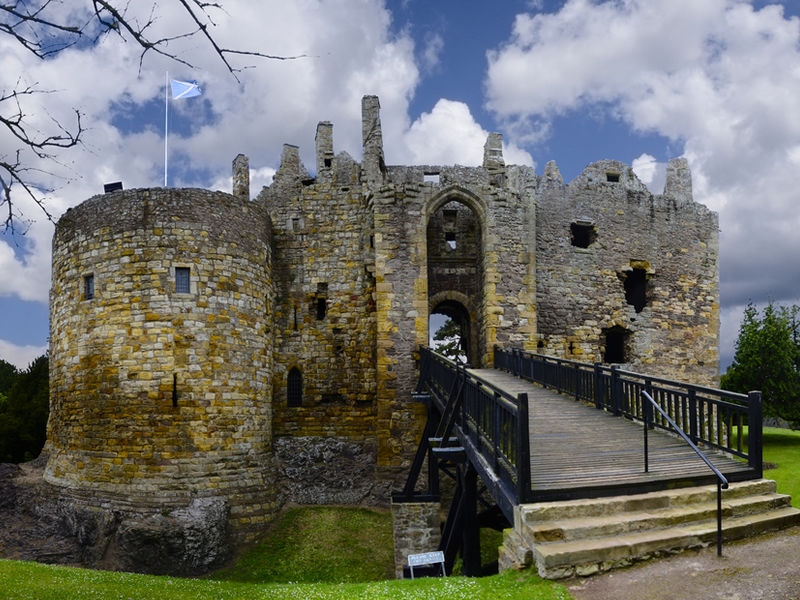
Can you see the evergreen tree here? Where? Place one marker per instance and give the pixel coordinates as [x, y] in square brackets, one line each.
[24, 413]
[8, 375]
[767, 359]
[449, 337]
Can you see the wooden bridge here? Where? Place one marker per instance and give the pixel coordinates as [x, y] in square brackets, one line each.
[539, 431]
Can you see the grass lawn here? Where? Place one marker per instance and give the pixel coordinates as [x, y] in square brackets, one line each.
[782, 448]
[310, 553]
[25, 580]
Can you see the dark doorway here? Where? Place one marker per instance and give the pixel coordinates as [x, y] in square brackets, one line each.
[616, 339]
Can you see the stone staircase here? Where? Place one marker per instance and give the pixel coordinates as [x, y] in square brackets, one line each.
[584, 537]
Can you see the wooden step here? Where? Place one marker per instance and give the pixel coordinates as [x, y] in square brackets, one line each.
[588, 536]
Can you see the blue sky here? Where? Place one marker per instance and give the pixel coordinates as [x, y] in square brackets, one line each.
[573, 81]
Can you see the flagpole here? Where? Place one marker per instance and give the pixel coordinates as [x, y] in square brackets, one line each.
[166, 124]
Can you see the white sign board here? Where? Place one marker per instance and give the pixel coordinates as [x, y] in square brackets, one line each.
[426, 558]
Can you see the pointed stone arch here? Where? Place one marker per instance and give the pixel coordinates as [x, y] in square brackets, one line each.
[460, 308]
[456, 232]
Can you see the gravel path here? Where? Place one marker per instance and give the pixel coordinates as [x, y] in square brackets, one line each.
[762, 568]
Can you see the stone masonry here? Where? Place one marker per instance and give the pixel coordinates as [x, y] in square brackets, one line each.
[216, 346]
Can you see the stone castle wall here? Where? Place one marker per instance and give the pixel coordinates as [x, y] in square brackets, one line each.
[324, 324]
[667, 241]
[160, 395]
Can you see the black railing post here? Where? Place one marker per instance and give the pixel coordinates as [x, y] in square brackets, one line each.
[577, 381]
[719, 517]
[598, 387]
[648, 387]
[616, 390]
[424, 367]
[523, 449]
[694, 431]
[495, 429]
[754, 433]
[646, 419]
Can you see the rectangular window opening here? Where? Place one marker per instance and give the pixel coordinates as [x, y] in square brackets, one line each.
[183, 280]
[322, 307]
[450, 216]
[612, 177]
[450, 238]
[88, 287]
[431, 178]
[582, 235]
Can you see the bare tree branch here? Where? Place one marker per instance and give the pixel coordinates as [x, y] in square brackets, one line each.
[40, 28]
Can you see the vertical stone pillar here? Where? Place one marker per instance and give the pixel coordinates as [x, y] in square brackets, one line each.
[241, 177]
[493, 152]
[416, 530]
[291, 172]
[372, 162]
[679, 181]
[324, 141]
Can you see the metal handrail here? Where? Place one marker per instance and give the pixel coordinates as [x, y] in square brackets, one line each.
[722, 481]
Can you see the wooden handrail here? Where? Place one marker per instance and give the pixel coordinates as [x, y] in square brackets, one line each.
[708, 415]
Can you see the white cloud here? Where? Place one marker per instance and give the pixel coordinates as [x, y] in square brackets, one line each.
[20, 356]
[434, 44]
[652, 173]
[450, 135]
[718, 77]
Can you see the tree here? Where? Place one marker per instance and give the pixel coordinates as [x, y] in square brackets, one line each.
[450, 337]
[8, 374]
[767, 359]
[24, 414]
[47, 27]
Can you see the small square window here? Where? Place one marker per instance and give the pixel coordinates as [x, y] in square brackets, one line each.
[88, 287]
[582, 235]
[182, 280]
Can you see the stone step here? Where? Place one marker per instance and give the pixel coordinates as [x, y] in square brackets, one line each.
[608, 525]
[585, 557]
[583, 537]
[616, 505]
[514, 553]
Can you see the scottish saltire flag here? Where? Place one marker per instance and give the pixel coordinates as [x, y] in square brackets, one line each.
[185, 89]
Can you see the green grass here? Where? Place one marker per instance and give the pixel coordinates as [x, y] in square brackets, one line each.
[313, 553]
[320, 544]
[23, 580]
[782, 447]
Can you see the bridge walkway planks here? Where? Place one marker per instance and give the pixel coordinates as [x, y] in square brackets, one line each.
[574, 446]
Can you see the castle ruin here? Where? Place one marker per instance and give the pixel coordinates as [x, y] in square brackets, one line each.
[220, 354]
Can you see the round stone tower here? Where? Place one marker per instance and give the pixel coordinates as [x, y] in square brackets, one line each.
[160, 352]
